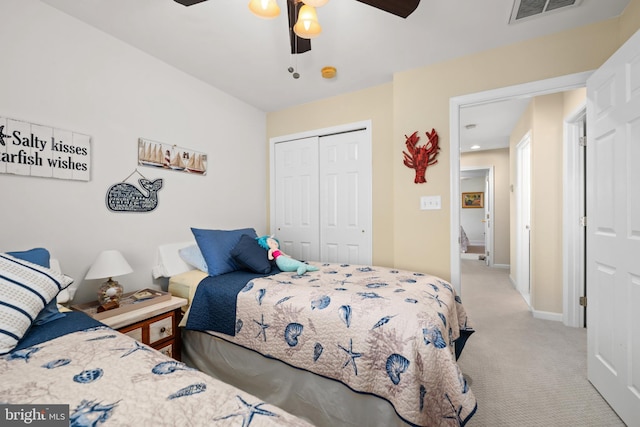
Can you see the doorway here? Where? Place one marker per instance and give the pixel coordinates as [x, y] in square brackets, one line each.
[476, 224]
[523, 217]
[543, 87]
[574, 220]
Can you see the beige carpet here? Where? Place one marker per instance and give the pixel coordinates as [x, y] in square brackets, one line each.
[524, 371]
[479, 249]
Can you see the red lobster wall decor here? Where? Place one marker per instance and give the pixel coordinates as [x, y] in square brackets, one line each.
[419, 158]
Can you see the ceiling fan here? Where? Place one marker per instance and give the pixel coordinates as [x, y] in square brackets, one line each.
[401, 8]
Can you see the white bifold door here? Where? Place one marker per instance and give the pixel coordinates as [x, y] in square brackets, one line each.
[322, 197]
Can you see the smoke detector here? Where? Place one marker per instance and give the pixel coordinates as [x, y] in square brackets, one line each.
[328, 72]
[526, 9]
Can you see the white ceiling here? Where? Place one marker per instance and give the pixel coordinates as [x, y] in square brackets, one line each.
[493, 123]
[222, 43]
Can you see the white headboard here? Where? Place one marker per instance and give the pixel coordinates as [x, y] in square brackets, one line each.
[65, 295]
[168, 261]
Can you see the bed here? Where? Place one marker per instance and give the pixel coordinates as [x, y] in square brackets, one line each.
[105, 377]
[344, 345]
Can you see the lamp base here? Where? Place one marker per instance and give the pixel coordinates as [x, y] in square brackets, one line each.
[110, 292]
[108, 306]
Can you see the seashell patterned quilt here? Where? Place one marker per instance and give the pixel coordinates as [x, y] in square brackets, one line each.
[110, 379]
[387, 332]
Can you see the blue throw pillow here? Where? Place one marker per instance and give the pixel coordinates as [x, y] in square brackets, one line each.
[216, 246]
[248, 254]
[25, 289]
[40, 256]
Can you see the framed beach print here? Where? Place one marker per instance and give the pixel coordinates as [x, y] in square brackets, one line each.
[473, 200]
[171, 157]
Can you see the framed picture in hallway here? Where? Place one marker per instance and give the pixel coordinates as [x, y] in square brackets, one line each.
[473, 200]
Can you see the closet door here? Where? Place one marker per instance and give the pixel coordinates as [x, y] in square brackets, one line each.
[345, 198]
[296, 198]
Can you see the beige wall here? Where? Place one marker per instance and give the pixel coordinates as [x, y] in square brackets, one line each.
[422, 100]
[574, 100]
[499, 159]
[544, 118]
[629, 21]
[418, 100]
[546, 125]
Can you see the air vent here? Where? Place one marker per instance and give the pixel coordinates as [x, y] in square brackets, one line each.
[526, 9]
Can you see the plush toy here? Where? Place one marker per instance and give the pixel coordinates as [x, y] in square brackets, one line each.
[283, 261]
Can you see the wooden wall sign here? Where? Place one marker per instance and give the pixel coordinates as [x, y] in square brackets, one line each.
[43, 151]
[172, 157]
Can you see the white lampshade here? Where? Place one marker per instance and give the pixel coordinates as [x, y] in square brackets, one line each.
[109, 263]
[264, 8]
[307, 25]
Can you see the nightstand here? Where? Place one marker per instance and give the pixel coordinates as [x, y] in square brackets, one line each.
[155, 325]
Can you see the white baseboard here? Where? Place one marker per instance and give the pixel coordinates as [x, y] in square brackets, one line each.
[546, 315]
[503, 266]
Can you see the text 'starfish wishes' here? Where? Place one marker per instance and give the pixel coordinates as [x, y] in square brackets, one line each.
[37, 150]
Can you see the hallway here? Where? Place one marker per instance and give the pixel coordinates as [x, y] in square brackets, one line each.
[524, 371]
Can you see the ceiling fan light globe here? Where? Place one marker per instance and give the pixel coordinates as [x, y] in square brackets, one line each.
[307, 25]
[266, 9]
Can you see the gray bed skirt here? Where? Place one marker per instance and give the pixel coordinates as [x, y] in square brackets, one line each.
[321, 401]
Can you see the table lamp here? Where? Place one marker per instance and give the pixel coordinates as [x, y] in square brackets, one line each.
[109, 264]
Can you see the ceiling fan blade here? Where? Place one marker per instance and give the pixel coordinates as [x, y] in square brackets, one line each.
[401, 8]
[298, 44]
[189, 2]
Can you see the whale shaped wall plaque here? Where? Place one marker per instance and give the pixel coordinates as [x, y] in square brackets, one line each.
[125, 197]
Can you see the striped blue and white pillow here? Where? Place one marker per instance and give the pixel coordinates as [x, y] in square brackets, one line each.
[25, 288]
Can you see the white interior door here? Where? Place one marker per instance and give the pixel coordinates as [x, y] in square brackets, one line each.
[296, 198]
[523, 203]
[613, 231]
[345, 198]
[488, 197]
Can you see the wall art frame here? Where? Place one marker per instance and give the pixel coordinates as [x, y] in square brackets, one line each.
[170, 156]
[43, 151]
[473, 200]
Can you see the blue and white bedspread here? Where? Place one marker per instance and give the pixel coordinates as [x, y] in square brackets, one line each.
[108, 378]
[381, 331]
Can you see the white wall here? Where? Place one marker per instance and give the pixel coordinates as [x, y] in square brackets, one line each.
[59, 72]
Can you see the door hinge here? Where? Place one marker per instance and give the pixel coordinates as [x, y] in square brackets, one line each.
[583, 301]
[583, 221]
[582, 141]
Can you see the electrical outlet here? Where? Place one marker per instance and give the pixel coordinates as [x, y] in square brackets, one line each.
[430, 202]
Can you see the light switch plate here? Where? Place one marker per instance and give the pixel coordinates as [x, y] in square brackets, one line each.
[430, 202]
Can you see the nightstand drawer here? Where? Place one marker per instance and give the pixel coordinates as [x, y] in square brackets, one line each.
[167, 350]
[136, 333]
[155, 325]
[159, 332]
[161, 329]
